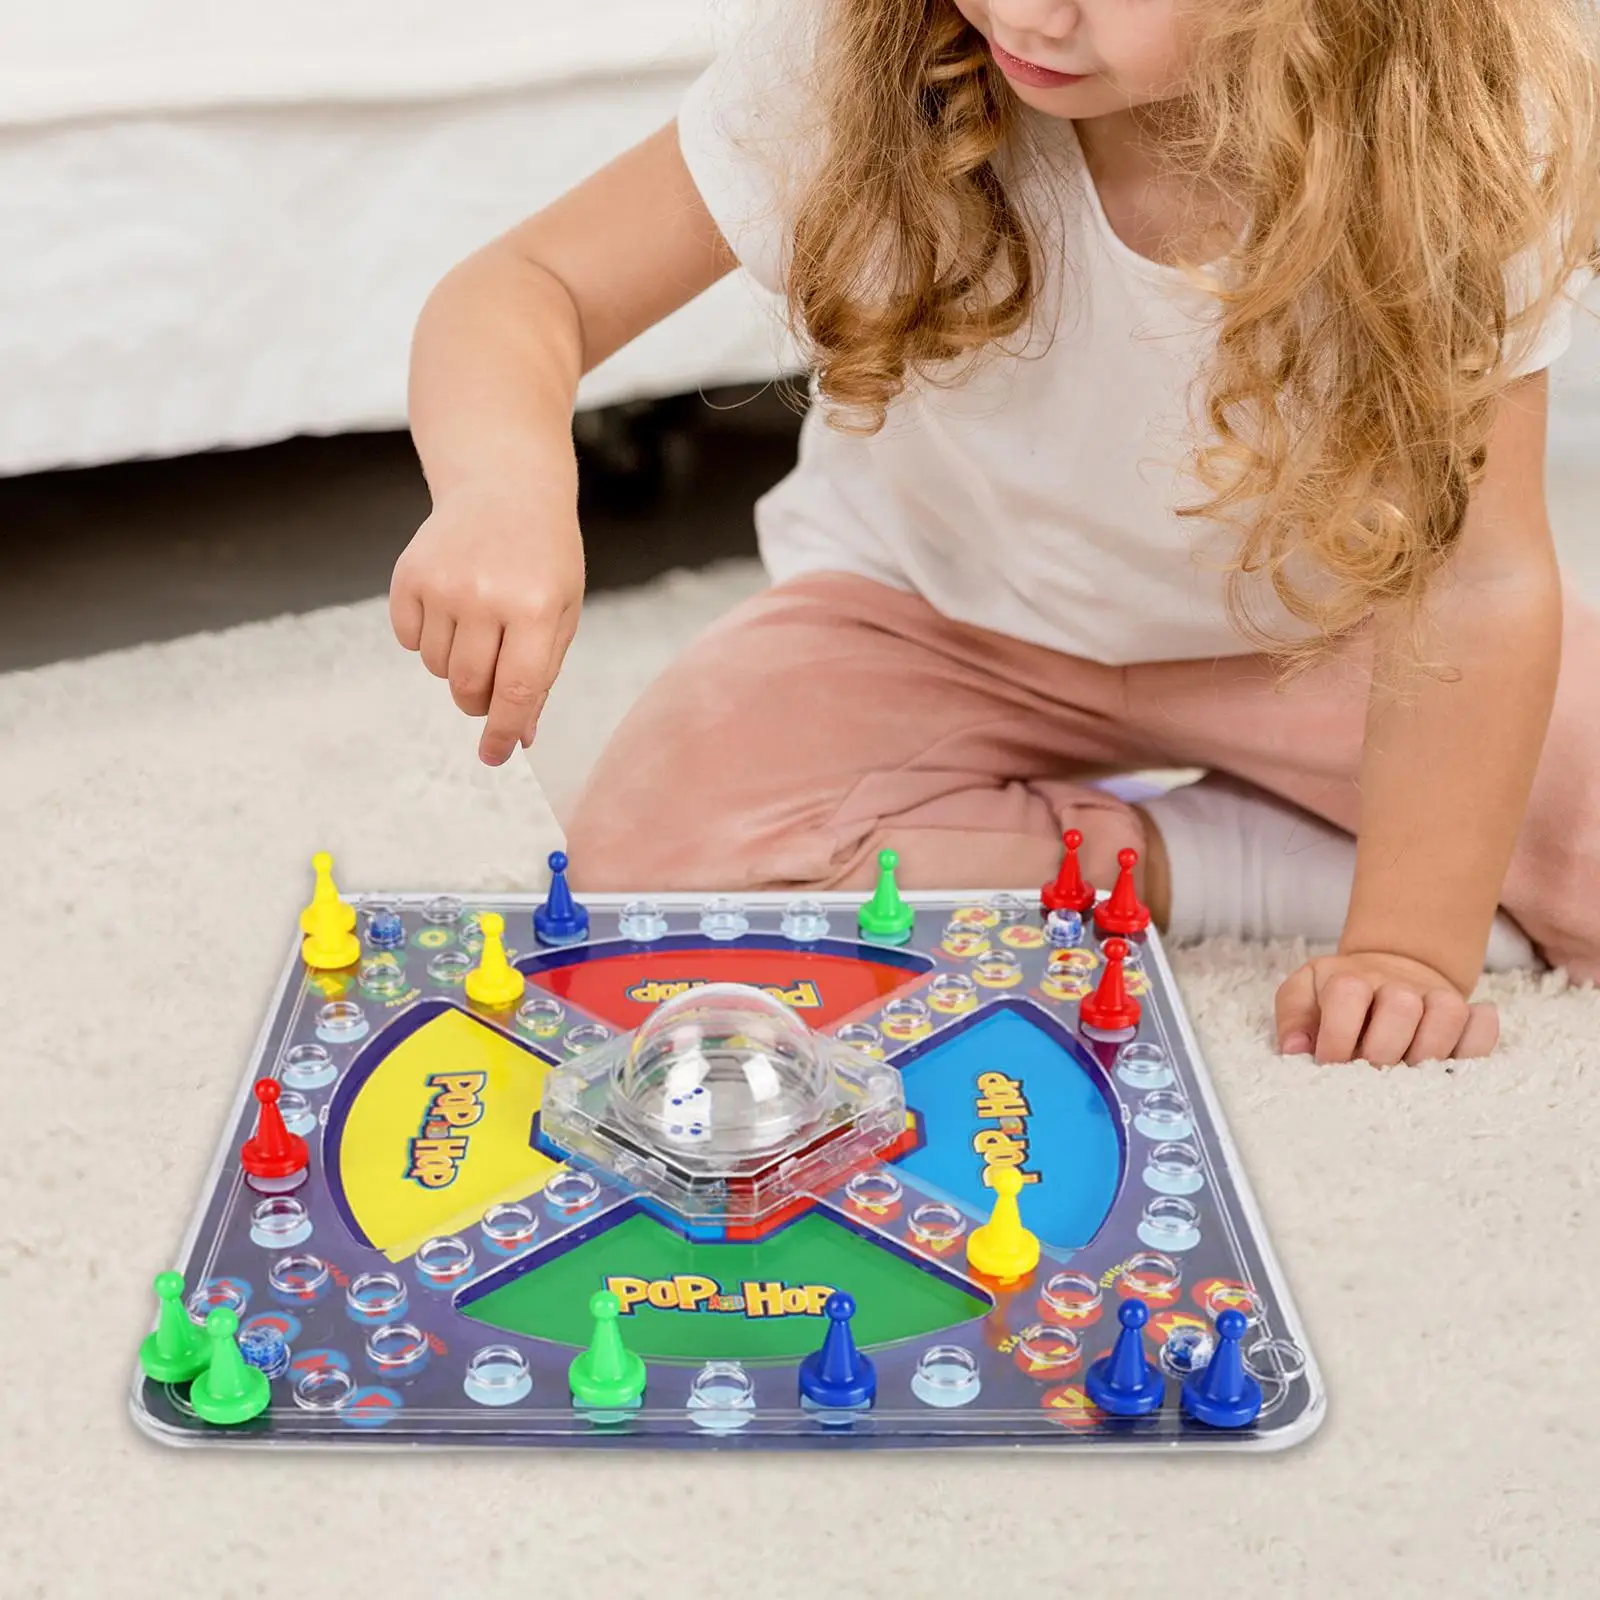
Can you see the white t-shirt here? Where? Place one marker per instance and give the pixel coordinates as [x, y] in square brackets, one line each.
[1037, 498]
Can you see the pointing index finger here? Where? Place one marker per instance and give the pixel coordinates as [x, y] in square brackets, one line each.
[521, 680]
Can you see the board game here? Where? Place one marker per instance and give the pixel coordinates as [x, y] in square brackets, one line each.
[841, 1172]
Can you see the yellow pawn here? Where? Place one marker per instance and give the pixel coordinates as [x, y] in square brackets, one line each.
[1002, 1248]
[494, 981]
[326, 911]
[329, 943]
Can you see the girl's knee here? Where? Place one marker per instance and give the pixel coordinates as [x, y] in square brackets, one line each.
[619, 852]
[1553, 891]
[616, 853]
[700, 804]
[1559, 909]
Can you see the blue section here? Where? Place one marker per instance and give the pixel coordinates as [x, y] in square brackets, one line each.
[1074, 1144]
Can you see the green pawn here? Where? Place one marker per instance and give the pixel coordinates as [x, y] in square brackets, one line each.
[230, 1390]
[886, 917]
[177, 1351]
[608, 1374]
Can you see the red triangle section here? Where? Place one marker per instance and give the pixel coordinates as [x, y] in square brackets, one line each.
[823, 986]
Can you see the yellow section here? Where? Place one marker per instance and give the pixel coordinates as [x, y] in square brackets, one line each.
[439, 1133]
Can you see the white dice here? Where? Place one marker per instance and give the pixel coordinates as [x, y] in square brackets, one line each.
[762, 1077]
[687, 1116]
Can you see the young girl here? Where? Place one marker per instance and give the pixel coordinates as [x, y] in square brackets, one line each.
[1158, 346]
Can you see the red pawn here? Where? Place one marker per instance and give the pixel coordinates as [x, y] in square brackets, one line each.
[1069, 892]
[273, 1152]
[1123, 912]
[1111, 1009]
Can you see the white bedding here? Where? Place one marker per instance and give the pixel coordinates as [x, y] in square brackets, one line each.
[76, 58]
[231, 278]
[217, 226]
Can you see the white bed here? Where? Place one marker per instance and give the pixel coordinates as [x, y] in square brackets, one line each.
[217, 221]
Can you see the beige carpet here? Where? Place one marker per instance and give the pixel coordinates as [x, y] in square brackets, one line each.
[158, 808]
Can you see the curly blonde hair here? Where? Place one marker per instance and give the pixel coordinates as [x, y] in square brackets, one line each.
[1421, 181]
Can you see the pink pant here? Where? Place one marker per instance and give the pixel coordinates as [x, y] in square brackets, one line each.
[832, 716]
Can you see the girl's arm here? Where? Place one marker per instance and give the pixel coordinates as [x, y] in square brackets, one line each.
[488, 590]
[1448, 766]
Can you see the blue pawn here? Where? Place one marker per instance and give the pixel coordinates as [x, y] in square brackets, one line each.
[1124, 1383]
[560, 920]
[838, 1375]
[1222, 1394]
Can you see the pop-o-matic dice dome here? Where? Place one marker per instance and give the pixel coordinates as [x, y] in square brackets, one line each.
[722, 1070]
[715, 1091]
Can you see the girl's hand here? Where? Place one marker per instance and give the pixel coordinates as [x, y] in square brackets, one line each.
[488, 592]
[1372, 1006]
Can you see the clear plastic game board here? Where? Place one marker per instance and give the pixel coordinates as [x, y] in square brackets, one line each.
[478, 1174]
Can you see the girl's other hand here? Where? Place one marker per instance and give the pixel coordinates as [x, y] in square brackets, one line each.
[1369, 1005]
[488, 593]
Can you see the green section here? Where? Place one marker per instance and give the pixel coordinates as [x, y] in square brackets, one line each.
[895, 1298]
[886, 916]
[607, 1373]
